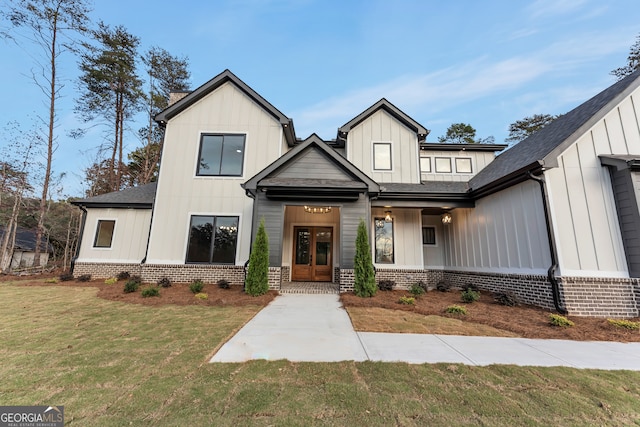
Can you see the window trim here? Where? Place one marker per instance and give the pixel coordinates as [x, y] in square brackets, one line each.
[428, 159]
[97, 233]
[470, 164]
[435, 238]
[393, 241]
[222, 134]
[211, 248]
[443, 158]
[373, 156]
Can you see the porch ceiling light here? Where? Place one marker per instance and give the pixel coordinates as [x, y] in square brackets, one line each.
[387, 216]
[317, 209]
[446, 218]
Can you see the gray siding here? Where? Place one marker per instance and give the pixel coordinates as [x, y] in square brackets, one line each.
[627, 206]
[351, 213]
[273, 214]
[314, 165]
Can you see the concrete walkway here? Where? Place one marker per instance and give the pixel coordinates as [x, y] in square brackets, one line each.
[315, 328]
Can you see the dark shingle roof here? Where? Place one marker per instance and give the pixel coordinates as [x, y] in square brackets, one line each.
[138, 197]
[26, 240]
[543, 147]
[425, 187]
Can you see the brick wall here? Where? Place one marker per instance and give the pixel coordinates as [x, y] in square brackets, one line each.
[601, 297]
[104, 271]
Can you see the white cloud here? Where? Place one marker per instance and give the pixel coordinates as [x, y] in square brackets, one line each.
[547, 8]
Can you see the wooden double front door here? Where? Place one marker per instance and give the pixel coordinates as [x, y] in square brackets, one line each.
[312, 254]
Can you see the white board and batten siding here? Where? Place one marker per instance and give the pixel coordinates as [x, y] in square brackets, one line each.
[181, 193]
[504, 233]
[381, 127]
[479, 160]
[407, 238]
[433, 255]
[130, 234]
[580, 192]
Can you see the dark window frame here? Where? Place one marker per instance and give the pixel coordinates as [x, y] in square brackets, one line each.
[99, 232]
[381, 221]
[470, 164]
[388, 144]
[223, 135]
[429, 161]
[429, 238]
[212, 245]
[442, 158]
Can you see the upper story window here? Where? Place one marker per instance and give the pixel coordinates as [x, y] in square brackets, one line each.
[463, 165]
[425, 164]
[382, 156]
[221, 155]
[443, 164]
[104, 233]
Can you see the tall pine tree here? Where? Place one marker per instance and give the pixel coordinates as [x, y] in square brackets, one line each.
[365, 280]
[257, 282]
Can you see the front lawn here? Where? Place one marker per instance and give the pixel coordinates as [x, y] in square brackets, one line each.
[114, 363]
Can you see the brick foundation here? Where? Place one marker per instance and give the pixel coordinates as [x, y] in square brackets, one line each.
[601, 297]
[181, 273]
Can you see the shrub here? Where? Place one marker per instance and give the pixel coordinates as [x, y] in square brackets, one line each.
[111, 280]
[201, 295]
[506, 298]
[557, 320]
[223, 284]
[136, 279]
[364, 275]
[626, 324]
[472, 286]
[416, 290]
[456, 309]
[52, 280]
[443, 286]
[123, 275]
[151, 291]
[131, 286]
[423, 285]
[164, 282]
[257, 282]
[386, 285]
[84, 278]
[65, 277]
[407, 300]
[470, 296]
[196, 286]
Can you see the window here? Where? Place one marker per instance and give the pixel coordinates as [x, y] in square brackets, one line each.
[425, 164]
[383, 241]
[382, 156]
[428, 235]
[463, 165]
[221, 155]
[443, 165]
[104, 234]
[213, 239]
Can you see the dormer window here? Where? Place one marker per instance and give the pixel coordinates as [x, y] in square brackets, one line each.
[221, 155]
[382, 156]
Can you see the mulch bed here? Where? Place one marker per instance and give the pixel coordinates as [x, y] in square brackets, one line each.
[526, 321]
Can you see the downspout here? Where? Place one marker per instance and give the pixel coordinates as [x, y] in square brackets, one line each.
[551, 273]
[84, 220]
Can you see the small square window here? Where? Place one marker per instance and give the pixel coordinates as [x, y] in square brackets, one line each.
[382, 156]
[104, 234]
[428, 235]
[443, 165]
[425, 164]
[463, 165]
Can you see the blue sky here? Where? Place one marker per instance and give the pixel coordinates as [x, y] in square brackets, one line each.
[321, 62]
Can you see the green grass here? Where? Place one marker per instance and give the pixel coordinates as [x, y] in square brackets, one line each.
[114, 364]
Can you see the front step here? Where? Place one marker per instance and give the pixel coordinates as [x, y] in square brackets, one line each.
[309, 288]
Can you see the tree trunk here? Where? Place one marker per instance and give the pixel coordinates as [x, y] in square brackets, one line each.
[9, 238]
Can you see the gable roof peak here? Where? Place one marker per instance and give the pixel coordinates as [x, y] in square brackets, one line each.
[228, 77]
[395, 112]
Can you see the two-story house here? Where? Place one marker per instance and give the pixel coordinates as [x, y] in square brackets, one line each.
[554, 219]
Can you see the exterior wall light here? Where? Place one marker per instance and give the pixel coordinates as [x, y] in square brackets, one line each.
[387, 216]
[446, 218]
[317, 209]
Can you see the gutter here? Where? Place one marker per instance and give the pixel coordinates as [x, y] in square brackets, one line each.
[80, 235]
[551, 272]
